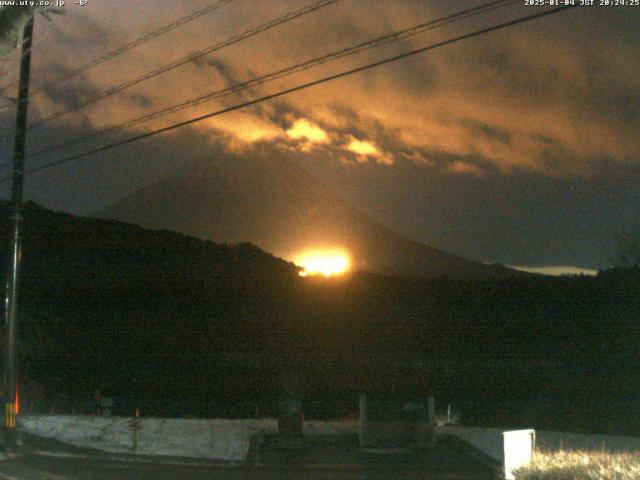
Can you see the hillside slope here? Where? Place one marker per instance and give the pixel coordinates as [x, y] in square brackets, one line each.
[280, 207]
[180, 326]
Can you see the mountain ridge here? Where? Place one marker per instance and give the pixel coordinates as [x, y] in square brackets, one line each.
[280, 207]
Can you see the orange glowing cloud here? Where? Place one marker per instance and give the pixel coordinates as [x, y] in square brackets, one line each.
[360, 147]
[490, 99]
[241, 129]
[305, 130]
[365, 150]
[466, 168]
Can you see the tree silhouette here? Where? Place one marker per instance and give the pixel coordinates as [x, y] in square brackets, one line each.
[627, 248]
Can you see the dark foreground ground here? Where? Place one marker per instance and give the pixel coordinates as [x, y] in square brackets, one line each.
[323, 459]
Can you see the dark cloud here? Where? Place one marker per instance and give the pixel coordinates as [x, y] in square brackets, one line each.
[493, 133]
[279, 112]
[614, 100]
[66, 94]
[418, 75]
[141, 100]
[73, 23]
[508, 77]
[222, 68]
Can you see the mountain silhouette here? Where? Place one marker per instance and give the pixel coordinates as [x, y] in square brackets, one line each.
[273, 203]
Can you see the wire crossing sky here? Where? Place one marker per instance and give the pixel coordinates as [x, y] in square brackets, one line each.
[133, 44]
[375, 43]
[190, 58]
[300, 87]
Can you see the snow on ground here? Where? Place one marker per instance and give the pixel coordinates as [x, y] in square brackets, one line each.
[218, 439]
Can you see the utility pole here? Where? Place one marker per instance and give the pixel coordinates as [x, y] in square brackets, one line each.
[15, 230]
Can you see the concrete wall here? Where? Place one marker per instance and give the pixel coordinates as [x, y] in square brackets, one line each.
[214, 439]
[392, 423]
[489, 441]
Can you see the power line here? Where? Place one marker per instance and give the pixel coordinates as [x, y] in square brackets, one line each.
[377, 42]
[302, 87]
[190, 58]
[135, 43]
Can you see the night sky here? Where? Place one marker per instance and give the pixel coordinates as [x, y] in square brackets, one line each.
[518, 147]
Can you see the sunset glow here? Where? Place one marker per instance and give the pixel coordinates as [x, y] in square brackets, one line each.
[327, 263]
[304, 129]
[360, 147]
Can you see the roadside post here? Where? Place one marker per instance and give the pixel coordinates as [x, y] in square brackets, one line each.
[15, 234]
[363, 421]
[134, 426]
[427, 425]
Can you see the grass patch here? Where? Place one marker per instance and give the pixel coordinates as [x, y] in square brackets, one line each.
[581, 465]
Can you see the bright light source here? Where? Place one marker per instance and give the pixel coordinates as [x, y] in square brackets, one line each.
[328, 263]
